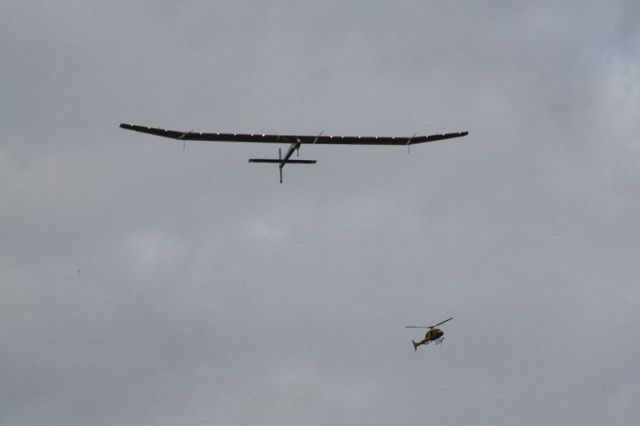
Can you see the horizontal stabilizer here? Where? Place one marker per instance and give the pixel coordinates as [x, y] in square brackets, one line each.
[276, 161]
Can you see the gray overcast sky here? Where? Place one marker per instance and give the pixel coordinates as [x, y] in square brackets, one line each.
[208, 293]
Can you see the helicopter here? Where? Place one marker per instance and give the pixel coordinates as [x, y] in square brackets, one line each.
[433, 334]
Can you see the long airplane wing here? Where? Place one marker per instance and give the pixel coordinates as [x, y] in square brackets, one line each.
[296, 139]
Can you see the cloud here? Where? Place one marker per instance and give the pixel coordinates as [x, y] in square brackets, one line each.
[210, 293]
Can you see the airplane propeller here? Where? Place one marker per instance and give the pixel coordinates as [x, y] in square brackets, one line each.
[431, 326]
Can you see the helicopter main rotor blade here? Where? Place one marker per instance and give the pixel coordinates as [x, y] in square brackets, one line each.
[415, 326]
[440, 323]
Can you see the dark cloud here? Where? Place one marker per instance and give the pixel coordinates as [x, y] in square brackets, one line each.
[209, 293]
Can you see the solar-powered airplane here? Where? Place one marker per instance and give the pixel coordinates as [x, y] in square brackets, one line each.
[294, 140]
